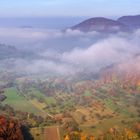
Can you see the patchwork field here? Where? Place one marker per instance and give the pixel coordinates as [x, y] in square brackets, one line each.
[52, 133]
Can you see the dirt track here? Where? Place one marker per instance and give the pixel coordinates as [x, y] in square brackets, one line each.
[51, 133]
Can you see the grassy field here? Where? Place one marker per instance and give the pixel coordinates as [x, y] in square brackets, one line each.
[87, 93]
[109, 103]
[36, 93]
[39, 95]
[18, 102]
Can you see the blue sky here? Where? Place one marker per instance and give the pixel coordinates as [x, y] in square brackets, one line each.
[16, 8]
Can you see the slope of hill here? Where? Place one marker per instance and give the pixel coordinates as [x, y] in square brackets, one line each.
[131, 21]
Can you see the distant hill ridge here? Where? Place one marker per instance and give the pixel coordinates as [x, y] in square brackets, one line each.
[101, 24]
[131, 21]
[8, 51]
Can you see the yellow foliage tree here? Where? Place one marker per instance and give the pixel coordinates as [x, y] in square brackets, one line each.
[83, 136]
[67, 137]
[91, 138]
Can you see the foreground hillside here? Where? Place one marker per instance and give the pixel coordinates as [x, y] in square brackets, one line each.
[75, 108]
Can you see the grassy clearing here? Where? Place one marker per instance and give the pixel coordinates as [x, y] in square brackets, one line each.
[120, 108]
[50, 100]
[39, 95]
[36, 93]
[109, 103]
[13, 98]
[18, 102]
[87, 93]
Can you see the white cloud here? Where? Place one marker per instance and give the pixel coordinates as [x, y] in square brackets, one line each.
[119, 49]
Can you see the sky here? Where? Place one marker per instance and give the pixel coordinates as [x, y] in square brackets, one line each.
[65, 8]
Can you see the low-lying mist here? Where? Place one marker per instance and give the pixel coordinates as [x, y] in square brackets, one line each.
[71, 52]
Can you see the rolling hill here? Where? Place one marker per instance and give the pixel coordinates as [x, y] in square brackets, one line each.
[100, 24]
[105, 25]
